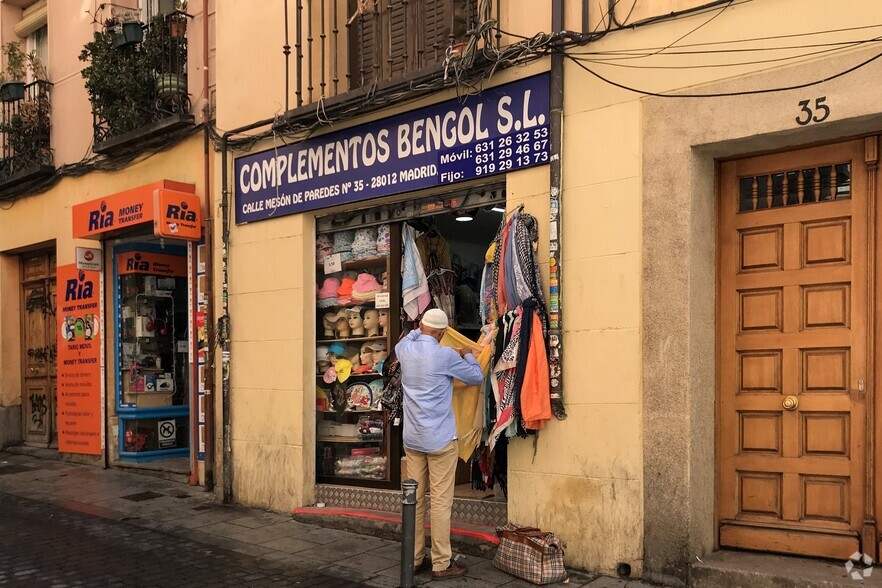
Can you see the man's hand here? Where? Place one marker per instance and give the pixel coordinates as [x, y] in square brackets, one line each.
[463, 351]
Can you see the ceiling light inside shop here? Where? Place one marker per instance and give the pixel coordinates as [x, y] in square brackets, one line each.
[498, 208]
[464, 217]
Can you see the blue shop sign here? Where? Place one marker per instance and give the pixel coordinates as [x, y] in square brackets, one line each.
[497, 131]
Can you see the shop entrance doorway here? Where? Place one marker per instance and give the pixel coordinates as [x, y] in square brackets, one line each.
[152, 341]
[361, 313]
[793, 352]
[39, 350]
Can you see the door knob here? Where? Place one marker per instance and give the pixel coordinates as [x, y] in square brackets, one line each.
[790, 403]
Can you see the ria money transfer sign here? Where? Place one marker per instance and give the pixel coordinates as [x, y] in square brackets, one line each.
[497, 131]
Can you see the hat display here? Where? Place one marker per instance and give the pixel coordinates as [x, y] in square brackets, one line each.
[330, 375]
[364, 244]
[327, 294]
[324, 245]
[337, 349]
[435, 318]
[366, 287]
[344, 291]
[343, 244]
[379, 345]
[344, 369]
[384, 240]
[321, 352]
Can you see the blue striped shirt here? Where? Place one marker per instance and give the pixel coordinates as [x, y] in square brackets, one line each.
[427, 373]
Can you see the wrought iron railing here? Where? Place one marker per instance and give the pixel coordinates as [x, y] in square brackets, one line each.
[25, 131]
[163, 67]
[343, 45]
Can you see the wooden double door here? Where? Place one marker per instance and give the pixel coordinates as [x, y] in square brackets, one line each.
[39, 350]
[795, 347]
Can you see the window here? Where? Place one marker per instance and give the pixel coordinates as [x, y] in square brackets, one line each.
[38, 44]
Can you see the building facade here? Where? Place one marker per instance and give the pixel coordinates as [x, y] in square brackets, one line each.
[702, 178]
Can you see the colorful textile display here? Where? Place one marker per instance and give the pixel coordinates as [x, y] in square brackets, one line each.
[343, 244]
[324, 246]
[366, 288]
[414, 285]
[364, 244]
[384, 240]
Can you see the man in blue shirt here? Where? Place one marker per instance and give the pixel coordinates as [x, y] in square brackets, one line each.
[427, 373]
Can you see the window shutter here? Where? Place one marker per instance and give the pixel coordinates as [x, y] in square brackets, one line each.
[363, 46]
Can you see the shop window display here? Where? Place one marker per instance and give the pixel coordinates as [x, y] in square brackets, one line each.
[354, 440]
[439, 260]
[153, 351]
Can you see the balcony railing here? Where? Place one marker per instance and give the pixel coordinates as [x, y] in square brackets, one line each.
[25, 133]
[343, 45]
[152, 95]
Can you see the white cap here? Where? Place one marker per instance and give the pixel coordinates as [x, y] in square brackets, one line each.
[435, 318]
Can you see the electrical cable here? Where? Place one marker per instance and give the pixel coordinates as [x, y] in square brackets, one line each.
[736, 64]
[726, 94]
[704, 24]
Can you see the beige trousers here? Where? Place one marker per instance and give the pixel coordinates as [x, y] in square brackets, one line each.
[437, 473]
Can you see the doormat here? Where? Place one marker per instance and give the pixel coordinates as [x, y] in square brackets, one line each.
[14, 469]
[142, 496]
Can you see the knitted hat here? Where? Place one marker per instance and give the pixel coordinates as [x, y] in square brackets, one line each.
[435, 318]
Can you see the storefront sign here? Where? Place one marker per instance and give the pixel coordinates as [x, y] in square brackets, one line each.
[134, 207]
[79, 360]
[89, 259]
[178, 215]
[155, 264]
[499, 130]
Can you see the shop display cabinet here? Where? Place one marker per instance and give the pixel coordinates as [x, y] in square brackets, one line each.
[357, 445]
[152, 365]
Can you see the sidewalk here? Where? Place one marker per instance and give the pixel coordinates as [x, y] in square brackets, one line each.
[190, 513]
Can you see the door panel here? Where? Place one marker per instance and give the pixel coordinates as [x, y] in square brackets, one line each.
[39, 349]
[793, 351]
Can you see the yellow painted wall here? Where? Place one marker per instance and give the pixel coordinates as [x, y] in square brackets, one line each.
[585, 478]
[45, 219]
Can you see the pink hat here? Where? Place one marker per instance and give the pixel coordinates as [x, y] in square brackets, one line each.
[366, 287]
[329, 288]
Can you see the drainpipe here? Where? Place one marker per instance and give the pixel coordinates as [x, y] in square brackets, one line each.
[555, 323]
[209, 246]
[223, 323]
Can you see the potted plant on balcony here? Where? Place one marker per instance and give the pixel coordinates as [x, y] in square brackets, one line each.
[177, 20]
[125, 28]
[26, 128]
[12, 83]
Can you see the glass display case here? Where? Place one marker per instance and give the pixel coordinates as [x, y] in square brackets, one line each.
[355, 442]
[153, 353]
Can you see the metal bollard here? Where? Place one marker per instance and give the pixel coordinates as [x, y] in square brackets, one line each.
[408, 528]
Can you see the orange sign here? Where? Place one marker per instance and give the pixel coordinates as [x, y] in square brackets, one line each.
[177, 215]
[122, 210]
[79, 360]
[155, 264]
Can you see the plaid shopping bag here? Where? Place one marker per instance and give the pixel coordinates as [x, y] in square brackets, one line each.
[530, 554]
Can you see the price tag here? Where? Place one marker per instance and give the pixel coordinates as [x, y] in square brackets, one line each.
[333, 263]
[382, 300]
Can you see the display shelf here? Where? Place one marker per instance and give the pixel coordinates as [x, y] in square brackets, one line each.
[372, 411]
[354, 375]
[372, 262]
[363, 304]
[348, 440]
[350, 339]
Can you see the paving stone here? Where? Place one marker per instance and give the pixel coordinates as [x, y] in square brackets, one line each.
[607, 582]
[289, 544]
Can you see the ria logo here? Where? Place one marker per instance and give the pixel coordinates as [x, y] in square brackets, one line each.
[136, 264]
[180, 213]
[78, 289]
[100, 219]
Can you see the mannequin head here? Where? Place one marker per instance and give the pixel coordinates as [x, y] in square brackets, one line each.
[371, 320]
[342, 327]
[384, 321]
[328, 322]
[366, 355]
[355, 322]
[380, 353]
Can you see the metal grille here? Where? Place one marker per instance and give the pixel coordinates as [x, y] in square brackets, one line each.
[795, 187]
[477, 512]
[25, 130]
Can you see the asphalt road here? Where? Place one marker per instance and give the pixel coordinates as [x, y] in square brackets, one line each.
[44, 545]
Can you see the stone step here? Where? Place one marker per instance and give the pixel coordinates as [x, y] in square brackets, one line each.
[737, 569]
